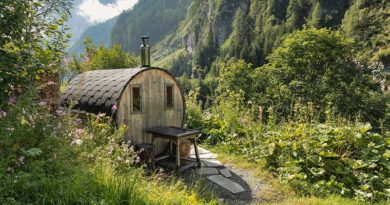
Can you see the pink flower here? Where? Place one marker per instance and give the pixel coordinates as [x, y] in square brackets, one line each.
[12, 100]
[65, 60]
[114, 107]
[86, 59]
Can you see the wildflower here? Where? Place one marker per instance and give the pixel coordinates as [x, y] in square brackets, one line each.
[65, 60]
[21, 159]
[86, 59]
[100, 115]
[114, 107]
[12, 100]
[79, 132]
[51, 83]
[78, 121]
[42, 103]
[2, 114]
[77, 142]
[11, 129]
[59, 112]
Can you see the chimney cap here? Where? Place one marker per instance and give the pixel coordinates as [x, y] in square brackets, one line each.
[145, 37]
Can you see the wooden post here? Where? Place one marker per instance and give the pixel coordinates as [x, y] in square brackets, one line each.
[170, 148]
[196, 152]
[177, 155]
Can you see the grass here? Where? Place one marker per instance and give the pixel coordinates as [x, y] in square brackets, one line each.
[103, 185]
[277, 193]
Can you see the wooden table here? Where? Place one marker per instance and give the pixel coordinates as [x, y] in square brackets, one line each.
[176, 135]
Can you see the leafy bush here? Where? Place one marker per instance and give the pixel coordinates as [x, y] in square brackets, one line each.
[58, 159]
[320, 159]
[33, 157]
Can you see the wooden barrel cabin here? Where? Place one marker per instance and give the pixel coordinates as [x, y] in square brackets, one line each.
[141, 98]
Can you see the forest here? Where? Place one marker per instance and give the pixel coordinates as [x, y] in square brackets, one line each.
[296, 92]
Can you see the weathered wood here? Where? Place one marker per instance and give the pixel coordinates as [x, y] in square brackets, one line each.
[154, 112]
[177, 155]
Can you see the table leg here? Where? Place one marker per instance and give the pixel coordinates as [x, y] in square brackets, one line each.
[153, 157]
[177, 155]
[170, 148]
[196, 152]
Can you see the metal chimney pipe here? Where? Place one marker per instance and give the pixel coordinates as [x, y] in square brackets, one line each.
[145, 52]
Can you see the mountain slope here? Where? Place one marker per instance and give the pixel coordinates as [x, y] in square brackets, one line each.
[251, 29]
[99, 33]
[148, 17]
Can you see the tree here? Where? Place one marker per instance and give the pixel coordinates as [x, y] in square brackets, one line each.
[32, 40]
[238, 77]
[317, 66]
[106, 58]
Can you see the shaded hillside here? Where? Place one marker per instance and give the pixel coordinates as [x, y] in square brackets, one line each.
[99, 33]
[251, 29]
[148, 17]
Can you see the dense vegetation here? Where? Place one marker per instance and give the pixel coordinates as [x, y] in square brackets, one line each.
[296, 86]
[304, 115]
[47, 155]
[147, 18]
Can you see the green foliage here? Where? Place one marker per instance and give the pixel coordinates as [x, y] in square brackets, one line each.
[316, 66]
[32, 38]
[368, 22]
[32, 157]
[320, 159]
[100, 57]
[237, 76]
[59, 159]
[150, 18]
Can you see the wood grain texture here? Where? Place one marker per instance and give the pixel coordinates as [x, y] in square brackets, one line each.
[154, 112]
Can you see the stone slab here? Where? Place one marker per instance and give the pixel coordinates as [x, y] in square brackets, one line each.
[212, 163]
[205, 156]
[200, 150]
[225, 172]
[227, 184]
[206, 171]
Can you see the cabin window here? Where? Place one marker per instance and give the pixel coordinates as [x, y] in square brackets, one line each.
[137, 98]
[169, 96]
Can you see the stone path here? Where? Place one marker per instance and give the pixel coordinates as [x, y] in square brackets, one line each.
[219, 174]
[231, 186]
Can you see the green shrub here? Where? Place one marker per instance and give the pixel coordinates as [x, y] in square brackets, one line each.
[319, 159]
[57, 159]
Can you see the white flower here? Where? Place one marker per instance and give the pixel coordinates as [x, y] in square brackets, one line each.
[21, 159]
[77, 142]
[2, 114]
[43, 103]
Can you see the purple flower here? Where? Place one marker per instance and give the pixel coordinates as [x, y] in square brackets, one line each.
[114, 107]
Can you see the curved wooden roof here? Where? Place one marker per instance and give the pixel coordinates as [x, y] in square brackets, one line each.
[97, 91]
